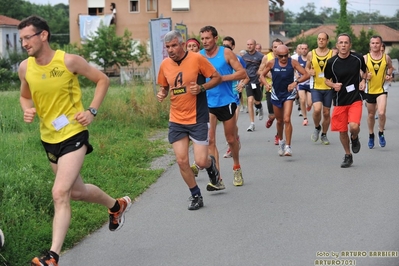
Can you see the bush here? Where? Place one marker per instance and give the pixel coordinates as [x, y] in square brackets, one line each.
[9, 79]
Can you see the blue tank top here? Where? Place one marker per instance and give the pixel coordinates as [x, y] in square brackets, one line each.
[302, 62]
[222, 94]
[282, 77]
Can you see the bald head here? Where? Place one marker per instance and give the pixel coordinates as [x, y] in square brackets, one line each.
[282, 49]
[251, 43]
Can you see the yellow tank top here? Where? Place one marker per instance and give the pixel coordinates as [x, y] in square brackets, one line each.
[55, 92]
[378, 70]
[270, 56]
[319, 63]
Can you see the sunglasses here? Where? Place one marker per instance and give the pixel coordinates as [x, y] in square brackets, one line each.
[282, 55]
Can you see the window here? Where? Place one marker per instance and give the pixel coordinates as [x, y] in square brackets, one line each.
[96, 11]
[15, 42]
[151, 5]
[8, 43]
[180, 5]
[134, 5]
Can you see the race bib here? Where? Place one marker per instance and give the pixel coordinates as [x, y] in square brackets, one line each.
[60, 122]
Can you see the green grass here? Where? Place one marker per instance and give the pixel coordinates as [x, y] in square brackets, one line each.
[120, 165]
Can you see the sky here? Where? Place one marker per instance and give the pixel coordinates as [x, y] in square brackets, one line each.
[386, 7]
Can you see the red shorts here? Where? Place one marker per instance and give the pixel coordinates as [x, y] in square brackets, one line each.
[343, 115]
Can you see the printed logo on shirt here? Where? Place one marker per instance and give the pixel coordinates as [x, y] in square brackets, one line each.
[56, 73]
[180, 90]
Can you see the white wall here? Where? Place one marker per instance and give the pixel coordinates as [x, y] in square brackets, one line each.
[13, 40]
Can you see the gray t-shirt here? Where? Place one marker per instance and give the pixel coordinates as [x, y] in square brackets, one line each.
[253, 62]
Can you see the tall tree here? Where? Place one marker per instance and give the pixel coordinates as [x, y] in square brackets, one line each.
[344, 26]
[362, 43]
[107, 49]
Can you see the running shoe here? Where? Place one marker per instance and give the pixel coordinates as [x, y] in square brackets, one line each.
[355, 145]
[305, 122]
[276, 139]
[227, 154]
[324, 140]
[196, 202]
[260, 114]
[348, 161]
[315, 135]
[281, 147]
[195, 169]
[308, 108]
[371, 143]
[269, 122]
[219, 186]
[117, 219]
[251, 128]
[287, 151]
[382, 141]
[47, 260]
[238, 180]
[213, 172]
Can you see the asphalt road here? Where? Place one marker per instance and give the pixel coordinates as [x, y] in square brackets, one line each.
[291, 210]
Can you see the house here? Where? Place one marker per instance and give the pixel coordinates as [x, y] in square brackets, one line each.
[242, 20]
[389, 36]
[9, 36]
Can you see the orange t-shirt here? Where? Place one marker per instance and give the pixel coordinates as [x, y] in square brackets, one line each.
[186, 108]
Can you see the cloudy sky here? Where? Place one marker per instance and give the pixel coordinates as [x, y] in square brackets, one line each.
[386, 7]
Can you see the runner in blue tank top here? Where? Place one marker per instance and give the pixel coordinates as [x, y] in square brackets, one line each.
[283, 93]
[305, 98]
[222, 101]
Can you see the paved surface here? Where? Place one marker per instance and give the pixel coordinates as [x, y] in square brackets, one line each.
[290, 211]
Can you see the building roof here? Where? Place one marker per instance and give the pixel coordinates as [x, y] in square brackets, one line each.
[388, 34]
[8, 21]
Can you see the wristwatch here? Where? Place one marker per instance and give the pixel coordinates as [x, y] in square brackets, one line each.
[202, 88]
[92, 110]
[296, 80]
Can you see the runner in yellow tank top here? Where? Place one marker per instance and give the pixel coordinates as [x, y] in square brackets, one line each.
[49, 87]
[67, 99]
[321, 93]
[379, 76]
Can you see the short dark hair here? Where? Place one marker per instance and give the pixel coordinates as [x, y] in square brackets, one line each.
[210, 29]
[230, 39]
[346, 35]
[37, 22]
[377, 36]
